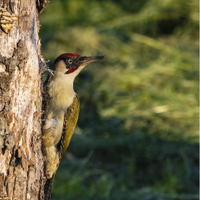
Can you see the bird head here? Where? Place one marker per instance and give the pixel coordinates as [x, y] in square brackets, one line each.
[72, 63]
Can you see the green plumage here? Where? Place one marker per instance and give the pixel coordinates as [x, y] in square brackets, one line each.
[70, 120]
[61, 111]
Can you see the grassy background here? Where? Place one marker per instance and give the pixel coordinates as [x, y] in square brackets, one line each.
[137, 134]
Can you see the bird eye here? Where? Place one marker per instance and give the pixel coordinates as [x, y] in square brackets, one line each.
[70, 61]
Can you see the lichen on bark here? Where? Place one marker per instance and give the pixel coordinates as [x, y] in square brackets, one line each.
[21, 166]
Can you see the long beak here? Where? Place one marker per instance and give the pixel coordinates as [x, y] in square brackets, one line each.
[84, 60]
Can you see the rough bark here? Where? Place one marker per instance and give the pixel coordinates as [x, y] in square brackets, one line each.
[21, 159]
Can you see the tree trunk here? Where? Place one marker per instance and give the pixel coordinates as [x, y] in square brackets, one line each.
[21, 159]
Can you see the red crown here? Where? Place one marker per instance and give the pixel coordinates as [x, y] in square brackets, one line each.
[65, 55]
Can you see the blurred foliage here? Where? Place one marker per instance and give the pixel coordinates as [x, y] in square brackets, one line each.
[137, 134]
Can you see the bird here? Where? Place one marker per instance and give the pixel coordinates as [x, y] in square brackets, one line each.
[61, 110]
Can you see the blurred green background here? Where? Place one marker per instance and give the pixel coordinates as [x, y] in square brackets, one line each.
[137, 134]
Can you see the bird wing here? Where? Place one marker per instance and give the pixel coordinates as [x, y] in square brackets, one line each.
[70, 120]
[69, 124]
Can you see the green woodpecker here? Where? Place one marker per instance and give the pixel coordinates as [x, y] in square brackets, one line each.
[61, 107]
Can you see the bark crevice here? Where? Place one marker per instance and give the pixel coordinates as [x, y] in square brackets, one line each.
[21, 65]
[41, 5]
[21, 166]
